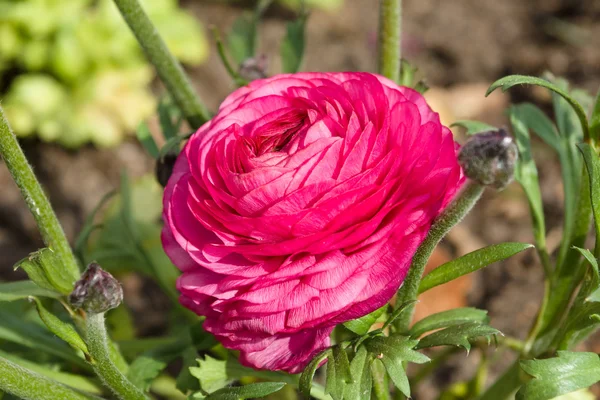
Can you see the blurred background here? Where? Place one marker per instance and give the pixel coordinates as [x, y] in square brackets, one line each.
[75, 87]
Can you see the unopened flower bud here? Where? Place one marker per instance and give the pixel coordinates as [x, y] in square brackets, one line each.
[96, 291]
[254, 68]
[489, 158]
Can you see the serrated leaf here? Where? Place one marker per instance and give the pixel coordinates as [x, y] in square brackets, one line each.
[306, 378]
[292, 47]
[457, 335]
[474, 127]
[10, 291]
[392, 351]
[362, 380]
[448, 318]
[212, 374]
[251, 391]
[469, 263]
[512, 80]
[566, 373]
[35, 273]
[241, 41]
[362, 325]
[526, 173]
[62, 329]
[592, 163]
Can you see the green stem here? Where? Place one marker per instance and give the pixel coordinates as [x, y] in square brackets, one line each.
[381, 387]
[107, 371]
[34, 196]
[390, 33]
[29, 385]
[505, 386]
[168, 68]
[452, 215]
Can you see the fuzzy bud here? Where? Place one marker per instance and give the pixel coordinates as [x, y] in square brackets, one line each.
[489, 158]
[97, 291]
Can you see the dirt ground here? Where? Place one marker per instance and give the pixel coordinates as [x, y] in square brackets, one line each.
[460, 47]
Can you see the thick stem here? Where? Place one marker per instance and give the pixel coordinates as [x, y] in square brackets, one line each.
[168, 68]
[452, 215]
[34, 196]
[97, 342]
[29, 385]
[390, 33]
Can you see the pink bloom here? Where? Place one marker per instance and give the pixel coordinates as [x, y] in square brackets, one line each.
[300, 206]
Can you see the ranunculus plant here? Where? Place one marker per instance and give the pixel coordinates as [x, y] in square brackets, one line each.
[301, 216]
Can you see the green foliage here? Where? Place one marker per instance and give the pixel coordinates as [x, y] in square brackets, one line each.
[250, 391]
[458, 335]
[448, 318]
[11, 291]
[592, 163]
[361, 325]
[86, 79]
[45, 269]
[61, 329]
[292, 47]
[509, 81]
[474, 127]
[566, 373]
[469, 263]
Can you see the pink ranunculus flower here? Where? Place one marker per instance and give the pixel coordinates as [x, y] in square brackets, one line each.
[300, 206]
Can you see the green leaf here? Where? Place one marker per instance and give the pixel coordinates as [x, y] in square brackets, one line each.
[10, 291]
[338, 373]
[62, 329]
[306, 378]
[595, 120]
[392, 351]
[397, 312]
[458, 335]
[75, 381]
[527, 175]
[538, 122]
[590, 289]
[169, 117]
[592, 163]
[46, 269]
[469, 263]
[509, 81]
[362, 380]
[173, 145]
[242, 38]
[448, 318]
[251, 391]
[89, 226]
[144, 136]
[552, 377]
[362, 325]
[212, 374]
[186, 382]
[33, 335]
[474, 127]
[292, 47]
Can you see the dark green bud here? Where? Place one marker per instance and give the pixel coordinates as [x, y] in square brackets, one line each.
[489, 158]
[97, 291]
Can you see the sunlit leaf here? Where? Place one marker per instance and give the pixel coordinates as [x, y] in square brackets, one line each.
[469, 263]
[458, 335]
[509, 81]
[362, 325]
[552, 377]
[448, 318]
